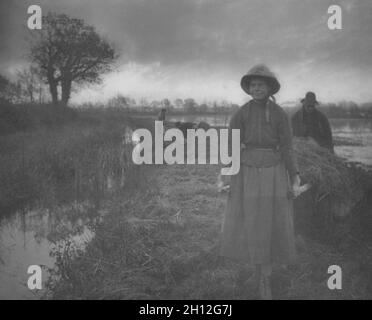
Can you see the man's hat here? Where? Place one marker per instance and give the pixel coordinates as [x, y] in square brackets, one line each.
[310, 98]
[260, 71]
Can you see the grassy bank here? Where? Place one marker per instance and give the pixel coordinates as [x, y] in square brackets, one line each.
[67, 159]
[161, 243]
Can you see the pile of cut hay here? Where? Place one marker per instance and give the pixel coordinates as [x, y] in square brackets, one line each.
[330, 174]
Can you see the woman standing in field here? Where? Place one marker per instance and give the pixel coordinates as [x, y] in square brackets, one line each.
[258, 224]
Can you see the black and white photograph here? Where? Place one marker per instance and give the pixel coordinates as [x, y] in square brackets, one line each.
[196, 150]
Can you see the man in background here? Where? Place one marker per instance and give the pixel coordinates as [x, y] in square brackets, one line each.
[310, 122]
[161, 116]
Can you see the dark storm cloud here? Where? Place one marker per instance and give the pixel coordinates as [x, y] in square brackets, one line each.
[219, 35]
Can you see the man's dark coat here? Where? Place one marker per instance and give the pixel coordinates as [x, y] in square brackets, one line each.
[314, 125]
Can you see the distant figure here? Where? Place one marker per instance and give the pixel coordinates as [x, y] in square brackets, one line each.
[310, 122]
[203, 125]
[183, 126]
[161, 116]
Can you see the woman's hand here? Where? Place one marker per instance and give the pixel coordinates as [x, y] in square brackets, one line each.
[223, 182]
[220, 184]
[296, 186]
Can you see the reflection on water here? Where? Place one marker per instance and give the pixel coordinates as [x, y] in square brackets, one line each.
[358, 131]
[19, 248]
[28, 238]
[361, 154]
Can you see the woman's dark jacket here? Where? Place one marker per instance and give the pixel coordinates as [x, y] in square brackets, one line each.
[266, 126]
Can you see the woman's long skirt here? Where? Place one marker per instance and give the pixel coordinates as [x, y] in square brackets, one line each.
[258, 223]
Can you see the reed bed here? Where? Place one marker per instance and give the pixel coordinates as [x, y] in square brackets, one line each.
[64, 163]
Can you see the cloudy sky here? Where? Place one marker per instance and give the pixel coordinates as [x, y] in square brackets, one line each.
[201, 48]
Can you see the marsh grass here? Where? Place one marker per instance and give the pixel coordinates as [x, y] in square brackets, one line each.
[68, 161]
[161, 242]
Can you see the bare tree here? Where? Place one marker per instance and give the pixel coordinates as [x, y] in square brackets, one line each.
[69, 51]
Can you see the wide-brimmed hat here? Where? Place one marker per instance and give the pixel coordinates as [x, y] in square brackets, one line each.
[260, 71]
[310, 98]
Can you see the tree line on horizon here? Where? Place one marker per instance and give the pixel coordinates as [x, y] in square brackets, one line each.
[29, 89]
[67, 54]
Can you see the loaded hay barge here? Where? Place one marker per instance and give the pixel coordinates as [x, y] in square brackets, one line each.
[337, 187]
